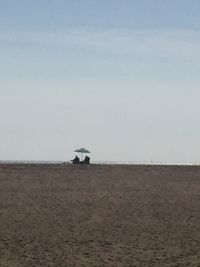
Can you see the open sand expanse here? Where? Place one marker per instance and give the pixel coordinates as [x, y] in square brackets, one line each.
[99, 215]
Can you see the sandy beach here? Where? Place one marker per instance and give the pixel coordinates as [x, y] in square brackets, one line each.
[99, 215]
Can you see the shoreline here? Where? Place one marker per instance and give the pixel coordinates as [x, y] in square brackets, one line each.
[66, 164]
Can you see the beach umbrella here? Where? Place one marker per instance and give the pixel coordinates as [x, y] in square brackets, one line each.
[82, 151]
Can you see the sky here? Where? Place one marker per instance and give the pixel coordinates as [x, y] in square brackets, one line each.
[119, 77]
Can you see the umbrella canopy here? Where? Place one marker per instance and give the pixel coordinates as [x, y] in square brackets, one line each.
[82, 150]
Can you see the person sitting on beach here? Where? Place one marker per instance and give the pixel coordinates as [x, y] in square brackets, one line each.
[76, 160]
[86, 160]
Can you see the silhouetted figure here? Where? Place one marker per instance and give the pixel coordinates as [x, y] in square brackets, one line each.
[76, 160]
[86, 160]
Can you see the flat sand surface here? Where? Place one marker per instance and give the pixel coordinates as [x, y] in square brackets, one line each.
[99, 215]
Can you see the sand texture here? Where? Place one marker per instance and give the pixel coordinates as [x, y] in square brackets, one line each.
[99, 215]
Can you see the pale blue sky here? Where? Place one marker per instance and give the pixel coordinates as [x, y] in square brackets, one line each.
[120, 77]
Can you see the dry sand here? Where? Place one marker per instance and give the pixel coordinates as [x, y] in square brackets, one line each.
[99, 215]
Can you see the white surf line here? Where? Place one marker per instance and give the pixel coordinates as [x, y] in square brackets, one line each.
[101, 162]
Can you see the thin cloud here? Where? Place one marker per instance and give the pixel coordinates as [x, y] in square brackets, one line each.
[120, 42]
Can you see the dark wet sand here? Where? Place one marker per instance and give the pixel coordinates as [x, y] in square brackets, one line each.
[99, 215]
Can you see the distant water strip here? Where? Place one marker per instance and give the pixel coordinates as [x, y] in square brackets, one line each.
[30, 162]
[50, 162]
